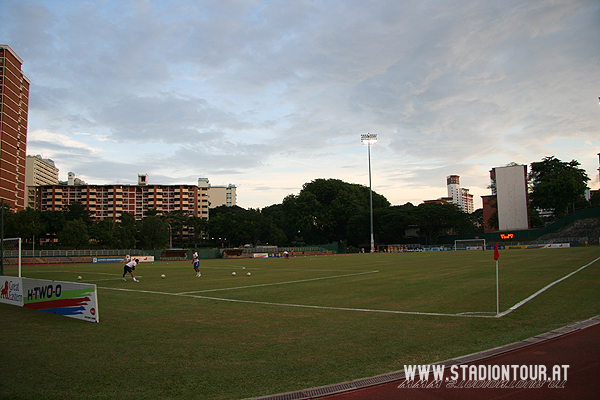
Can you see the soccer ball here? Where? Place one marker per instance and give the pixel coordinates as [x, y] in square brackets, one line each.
[78, 278]
[233, 273]
[248, 274]
[163, 276]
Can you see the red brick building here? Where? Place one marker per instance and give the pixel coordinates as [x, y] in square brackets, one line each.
[14, 106]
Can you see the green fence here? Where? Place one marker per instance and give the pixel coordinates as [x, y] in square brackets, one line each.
[83, 253]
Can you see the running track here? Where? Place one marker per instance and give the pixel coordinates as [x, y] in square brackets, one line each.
[577, 346]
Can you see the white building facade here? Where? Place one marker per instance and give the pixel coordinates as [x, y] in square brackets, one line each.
[38, 171]
[460, 196]
[511, 193]
[219, 195]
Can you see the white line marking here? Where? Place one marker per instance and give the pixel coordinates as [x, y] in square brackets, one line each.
[542, 290]
[302, 305]
[278, 283]
[75, 272]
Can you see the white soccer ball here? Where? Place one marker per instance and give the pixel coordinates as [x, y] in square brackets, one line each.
[163, 276]
[248, 274]
[233, 273]
[79, 278]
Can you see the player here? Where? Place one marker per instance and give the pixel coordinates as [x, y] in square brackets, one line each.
[130, 267]
[286, 255]
[196, 263]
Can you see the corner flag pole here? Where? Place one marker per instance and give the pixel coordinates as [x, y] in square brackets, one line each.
[2, 238]
[496, 256]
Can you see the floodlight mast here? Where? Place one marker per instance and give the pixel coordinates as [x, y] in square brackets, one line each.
[369, 139]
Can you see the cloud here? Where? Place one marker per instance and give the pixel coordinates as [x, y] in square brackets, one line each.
[273, 94]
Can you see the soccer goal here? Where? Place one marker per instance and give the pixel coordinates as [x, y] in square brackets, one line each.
[10, 257]
[469, 244]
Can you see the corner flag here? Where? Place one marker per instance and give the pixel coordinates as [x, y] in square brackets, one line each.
[496, 257]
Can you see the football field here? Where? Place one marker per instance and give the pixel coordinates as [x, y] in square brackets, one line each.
[278, 326]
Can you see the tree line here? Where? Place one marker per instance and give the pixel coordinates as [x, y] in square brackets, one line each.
[324, 211]
[74, 228]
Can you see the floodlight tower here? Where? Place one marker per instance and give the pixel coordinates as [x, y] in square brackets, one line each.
[369, 139]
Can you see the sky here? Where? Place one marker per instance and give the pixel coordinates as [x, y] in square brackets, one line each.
[270, 95]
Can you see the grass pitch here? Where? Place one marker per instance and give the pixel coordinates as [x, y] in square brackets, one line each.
[291, 325]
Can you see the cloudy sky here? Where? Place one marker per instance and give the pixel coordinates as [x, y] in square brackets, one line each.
[269, 95]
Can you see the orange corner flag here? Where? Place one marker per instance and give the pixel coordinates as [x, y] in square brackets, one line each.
[496, 253]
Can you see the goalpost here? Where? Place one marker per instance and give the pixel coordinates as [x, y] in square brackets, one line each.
[469, 244]
[10, 257]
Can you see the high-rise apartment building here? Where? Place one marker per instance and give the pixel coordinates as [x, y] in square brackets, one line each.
[109, 201]
[38, 171]
[460, 196]
[14, 106]
[219, 195]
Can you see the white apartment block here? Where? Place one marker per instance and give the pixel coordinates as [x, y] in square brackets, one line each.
[38, 171]
[219, 195]
[460, 196]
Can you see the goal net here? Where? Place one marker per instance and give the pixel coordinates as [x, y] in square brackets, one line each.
[469, 244]
[10, 257]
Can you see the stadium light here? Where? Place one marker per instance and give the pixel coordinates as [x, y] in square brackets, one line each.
[369, 139]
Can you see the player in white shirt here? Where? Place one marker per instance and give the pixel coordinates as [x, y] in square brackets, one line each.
[196, 263]
[130, 267]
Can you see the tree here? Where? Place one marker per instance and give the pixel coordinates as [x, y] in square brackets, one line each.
[74, 234]
[393, 222]
[476, 218]
[595, 200]
[281, 226]
[436, 219]
[54, 221]
[103, 232]
[11, 225]
[557, 184]
[77, 210]
[30, 224]
[321, 211]
[237, 226]
[154, 232]
[199, 226]
[124, 232]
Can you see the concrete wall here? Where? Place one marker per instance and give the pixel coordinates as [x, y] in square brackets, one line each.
[511, 188]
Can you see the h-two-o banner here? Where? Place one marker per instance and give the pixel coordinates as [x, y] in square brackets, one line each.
[75, 300]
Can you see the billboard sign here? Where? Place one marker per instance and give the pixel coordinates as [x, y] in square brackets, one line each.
[11, 290]
[121, 259]
[70, 299]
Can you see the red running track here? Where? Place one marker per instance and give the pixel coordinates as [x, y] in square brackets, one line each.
[580, 350]
[576, 346]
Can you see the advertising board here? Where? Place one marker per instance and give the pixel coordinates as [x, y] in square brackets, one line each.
[70, 299]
